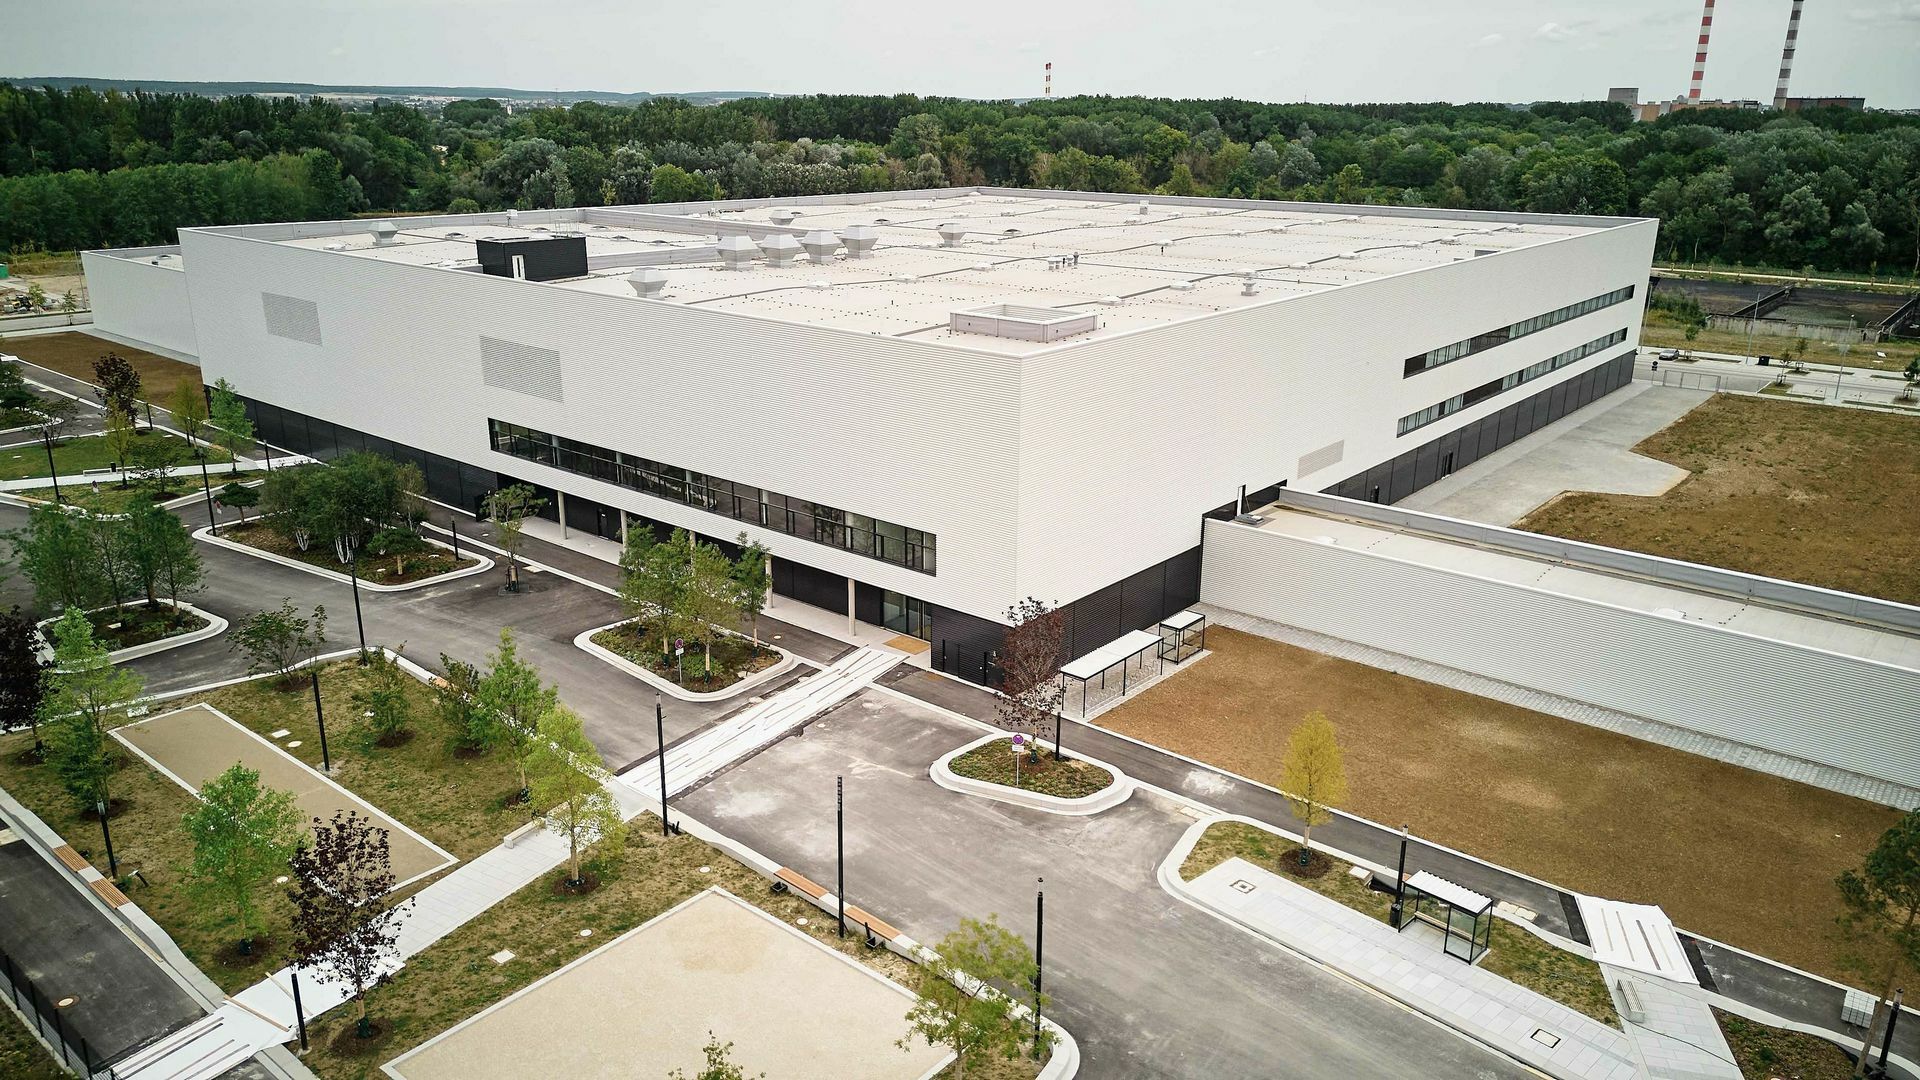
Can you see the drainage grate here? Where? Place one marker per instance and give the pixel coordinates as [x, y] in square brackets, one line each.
[1545, 1038]
[1242, 886]
[1576, 926]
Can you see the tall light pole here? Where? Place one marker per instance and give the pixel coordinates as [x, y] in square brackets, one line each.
[206, 487]
[660, 732]
[840, 848]
[353, 574]
[320, 716]
[53, 471]
[1400, 882]
[113, 865]
[1039, 942]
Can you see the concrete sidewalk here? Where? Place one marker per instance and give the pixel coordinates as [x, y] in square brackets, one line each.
[1524, 1025]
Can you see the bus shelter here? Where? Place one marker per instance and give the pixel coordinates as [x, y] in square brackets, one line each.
[1464, 917]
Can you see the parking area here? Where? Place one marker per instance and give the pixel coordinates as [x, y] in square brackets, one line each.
[1591, 450]
[196, 744]
[646, 1002]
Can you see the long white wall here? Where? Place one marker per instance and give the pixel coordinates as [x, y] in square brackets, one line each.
[917, 435]
[1835, 710]
[141, 303]
[1126, 442]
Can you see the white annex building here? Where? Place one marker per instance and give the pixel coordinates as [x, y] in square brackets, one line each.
[927, 405]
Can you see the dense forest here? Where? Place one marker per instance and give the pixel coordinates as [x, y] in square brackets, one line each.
[1830, 189]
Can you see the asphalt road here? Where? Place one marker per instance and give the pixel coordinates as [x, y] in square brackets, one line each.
[1149, 986]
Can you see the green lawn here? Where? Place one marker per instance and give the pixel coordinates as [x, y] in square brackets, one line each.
[111, 498]
[458, 803]
[1514, 954]
[78, 454]
[1765, 1052]
[1070, 779]
[22, 1056]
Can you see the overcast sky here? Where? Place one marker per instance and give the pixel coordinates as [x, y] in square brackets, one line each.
[1270, 50]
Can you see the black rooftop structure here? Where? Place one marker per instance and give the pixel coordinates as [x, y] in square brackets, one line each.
[547, 259]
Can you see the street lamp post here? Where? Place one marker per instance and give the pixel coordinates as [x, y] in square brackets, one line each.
[453, 526]
[206, 487]
[1886, 1043]
[299, 1013]
[113, 865]
[1039, 942]
[46, 436]
[1057, 755]
[320, 716]
[353, 572]
[840, 848]
[660, 732]
[1399, 882]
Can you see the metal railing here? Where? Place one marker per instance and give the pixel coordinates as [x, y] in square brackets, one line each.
[44, 1015]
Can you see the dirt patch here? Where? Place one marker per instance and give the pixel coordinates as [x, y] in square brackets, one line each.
[1765, 1052]
[1737, 855]
[234, 956]
[1315, 865]
[1778, 488]
[73, 355]
[566, 886]
[347, 1042]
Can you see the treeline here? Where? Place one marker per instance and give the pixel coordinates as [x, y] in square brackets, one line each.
[1826, 188]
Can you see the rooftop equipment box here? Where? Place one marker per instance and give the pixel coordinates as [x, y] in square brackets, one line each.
[541, 260]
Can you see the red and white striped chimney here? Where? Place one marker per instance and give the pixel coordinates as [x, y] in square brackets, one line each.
[1786, 57]
[1048, 92]
[1700, 53]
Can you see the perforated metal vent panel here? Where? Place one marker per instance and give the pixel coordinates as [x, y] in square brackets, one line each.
[1314, 461]
[523, 369]
[291, 317]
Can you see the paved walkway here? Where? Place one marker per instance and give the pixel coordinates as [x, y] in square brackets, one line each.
[1514, 1020]
[263, 1015]
[1673, 1031]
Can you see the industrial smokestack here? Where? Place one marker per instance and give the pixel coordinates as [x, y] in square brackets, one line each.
[1700, 54]
[1786, 56]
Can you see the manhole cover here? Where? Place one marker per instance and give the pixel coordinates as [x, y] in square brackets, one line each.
[1242, 886]
[65, 1003]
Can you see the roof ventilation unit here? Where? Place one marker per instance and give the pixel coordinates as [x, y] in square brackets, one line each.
[385, 232]
[648, 282]
[951, 235]
[983, 267]
[780, 249]
[1249, 285]
[783, 216]
[1144, 206]
[1181, 286]
[1110, 301]
[860, 240]
[512, 216]
[1022, 323]
[736, 253]
[820, 286]
[335, 246]
[820, 245]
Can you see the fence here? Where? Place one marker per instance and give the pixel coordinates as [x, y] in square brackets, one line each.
[1781, 328]
[45, 1017]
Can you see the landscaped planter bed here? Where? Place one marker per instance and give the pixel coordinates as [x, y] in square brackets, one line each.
[735, 658]
[374, 569]
[110, 498]
[1069, 779]
[137, 624]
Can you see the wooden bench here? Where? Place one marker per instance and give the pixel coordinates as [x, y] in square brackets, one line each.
[881, 930]
[785, 879]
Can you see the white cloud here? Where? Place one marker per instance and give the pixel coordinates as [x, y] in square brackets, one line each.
[1490, 39]
[1554, 31]
[1909, 12]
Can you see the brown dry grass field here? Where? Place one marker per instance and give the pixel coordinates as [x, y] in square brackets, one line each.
[73, 355]
[1808, 493]
[1737, 855]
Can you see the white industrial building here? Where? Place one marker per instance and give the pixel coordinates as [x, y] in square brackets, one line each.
[927, 405]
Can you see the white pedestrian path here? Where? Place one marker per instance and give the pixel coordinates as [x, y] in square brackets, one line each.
[1518, 1022]
[263, 1015]
[1673, 1031]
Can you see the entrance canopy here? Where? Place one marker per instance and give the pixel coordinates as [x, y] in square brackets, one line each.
[1464, 916]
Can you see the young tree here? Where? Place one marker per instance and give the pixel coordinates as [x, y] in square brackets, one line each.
[384, 701]
[962, 999]
[120, 435]
[242, 834]
[710, 599]
[1880, 923]
[231, 428]
[1030, 665]
[56, 553]
[14, 391]
[719, 1065]
[160, 554]
[86, 693]
[107, 534]
[24, 674]
[151, 461]
[1313, 776]
[511, 691]
[751, 583]
[655, 580]
[343, 927]
[509, 508]
[569, 784]
[188, 404]
[456, 697]
[279, 640]
[237, 496]
[117, 385]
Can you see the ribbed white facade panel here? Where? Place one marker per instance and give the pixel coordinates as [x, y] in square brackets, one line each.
[1126, 442]
[1835, 710]
[921, 436]
[140, 302]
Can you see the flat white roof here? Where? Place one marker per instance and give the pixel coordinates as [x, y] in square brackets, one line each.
[1134, 262]
[1111, 655]
[1458, 895]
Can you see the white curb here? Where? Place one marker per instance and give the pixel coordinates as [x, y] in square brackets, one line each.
[787, 663]
[485, 564]
[214, 628]
[1105, 799]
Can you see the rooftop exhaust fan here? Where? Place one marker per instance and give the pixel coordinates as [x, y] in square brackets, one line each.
[1181, 286]
[820, 245]
[1144, 206]
[860, 240]
[783, 216]
[951, 235]
[1250, 285]
[384, 232]
[736, 253]
[780, 249]
[512, 216]
[648, 282]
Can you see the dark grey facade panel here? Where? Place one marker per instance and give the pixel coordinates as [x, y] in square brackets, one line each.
[543, 260]
[810, 585]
